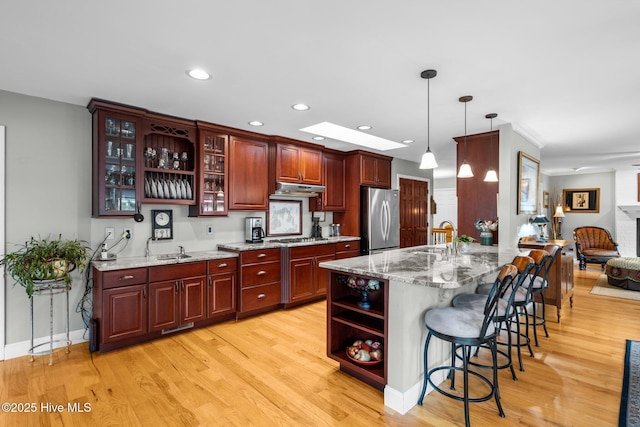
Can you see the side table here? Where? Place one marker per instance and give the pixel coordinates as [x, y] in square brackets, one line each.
[50, 288]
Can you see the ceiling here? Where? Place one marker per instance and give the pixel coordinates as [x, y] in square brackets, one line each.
[564, 74]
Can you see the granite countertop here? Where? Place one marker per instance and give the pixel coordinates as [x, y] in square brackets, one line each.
[142, 261]
[241, 246]
[426, 265]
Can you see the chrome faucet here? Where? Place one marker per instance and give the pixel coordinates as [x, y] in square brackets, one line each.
[147, 251]
[181, 250]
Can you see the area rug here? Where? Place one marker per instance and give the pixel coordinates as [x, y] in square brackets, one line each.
[602, 287]
[630, 401]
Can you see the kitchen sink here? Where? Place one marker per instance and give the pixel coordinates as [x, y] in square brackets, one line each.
[173, 256]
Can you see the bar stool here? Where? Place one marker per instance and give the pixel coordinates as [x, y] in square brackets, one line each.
[522, 299]
[466, 328]
[506, 309]
[540, 283]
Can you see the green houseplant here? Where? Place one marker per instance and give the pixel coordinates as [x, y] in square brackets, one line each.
[45, 259]
[464, 241]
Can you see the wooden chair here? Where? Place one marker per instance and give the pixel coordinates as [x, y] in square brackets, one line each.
[442, 235]
[594, 245]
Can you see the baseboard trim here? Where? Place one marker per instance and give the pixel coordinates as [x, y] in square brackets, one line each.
[19, 349]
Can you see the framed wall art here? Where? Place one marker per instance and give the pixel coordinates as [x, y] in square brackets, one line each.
[528, 179]
[284, 217]
[581, 200]
[545, 199]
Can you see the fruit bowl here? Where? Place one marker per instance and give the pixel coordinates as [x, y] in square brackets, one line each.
[366, 353]
[360, 362]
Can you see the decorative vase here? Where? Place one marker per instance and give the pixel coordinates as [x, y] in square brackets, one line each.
[465, 248]
[486, 238]
[364, 302]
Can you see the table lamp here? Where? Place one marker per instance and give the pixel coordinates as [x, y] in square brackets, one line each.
[541, 221]
[557, 222]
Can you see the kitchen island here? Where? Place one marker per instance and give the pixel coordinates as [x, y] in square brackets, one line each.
[413, 280]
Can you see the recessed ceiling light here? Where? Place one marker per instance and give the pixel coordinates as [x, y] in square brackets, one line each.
[318, 138]
[198, 74]
[364, 127]
[255, 123]
[341, 133]
[300, 107]
[408, 141]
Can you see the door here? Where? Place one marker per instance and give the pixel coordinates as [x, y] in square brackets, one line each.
[193, 295]
[414, 212]
[222, 293]
[163, 305]
[124, 313]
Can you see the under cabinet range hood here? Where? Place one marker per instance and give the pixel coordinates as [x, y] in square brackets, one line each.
[298, 190]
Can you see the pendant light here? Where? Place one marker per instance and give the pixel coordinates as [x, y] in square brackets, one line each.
[491, 175]
[465, 169]
[428, 159]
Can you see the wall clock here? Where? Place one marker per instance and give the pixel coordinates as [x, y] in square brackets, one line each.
[162, 224]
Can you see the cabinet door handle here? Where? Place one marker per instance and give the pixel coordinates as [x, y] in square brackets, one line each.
[127, 277]
[347, 246]
[261, 296]
[262, 255]
[176, 286]
[224, 264]
[261, 273]
[144, 292]
[182, 286]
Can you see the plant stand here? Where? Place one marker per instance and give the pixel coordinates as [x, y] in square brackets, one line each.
[50, 288]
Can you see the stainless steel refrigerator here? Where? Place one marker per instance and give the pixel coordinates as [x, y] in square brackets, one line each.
[379, 220]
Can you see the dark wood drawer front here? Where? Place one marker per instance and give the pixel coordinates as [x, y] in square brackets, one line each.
[177, 271]
[117, 278]
[348, 246]
[251, 257]
[223, 265]
[257, 274]
[260, 296]
[312, 250]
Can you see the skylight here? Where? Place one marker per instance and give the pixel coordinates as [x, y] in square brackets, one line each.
[333, 131]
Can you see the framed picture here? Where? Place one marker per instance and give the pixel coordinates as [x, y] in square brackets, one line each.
[284, 217]
[545, 199]
[581, 200]
[528, 178]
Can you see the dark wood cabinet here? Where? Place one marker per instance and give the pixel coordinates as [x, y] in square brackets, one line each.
[221, 287]
[119, 306]
[259, 287]
[375, 171]
[212, 170]
[560, 277]
[298, 164]
[117, 141]
[248, 174]
[477, 199]
[362, 169]
[333, 177]
[347, 249]
[177, 295]
[303, 280]
[348, 322]
[168, 160]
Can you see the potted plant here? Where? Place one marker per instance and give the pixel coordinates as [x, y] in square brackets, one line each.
[464, 241]
[45, 259]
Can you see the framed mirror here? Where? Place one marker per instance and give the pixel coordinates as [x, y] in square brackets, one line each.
[528, 179]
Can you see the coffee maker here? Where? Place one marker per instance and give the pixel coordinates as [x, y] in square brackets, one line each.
[316, 229]
[253, 231]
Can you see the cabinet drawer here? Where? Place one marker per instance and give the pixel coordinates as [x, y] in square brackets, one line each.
[223, 265]
[260, 296]
[177, 271]
[251, 257]
[348, 246]
[132, 276]
[312, 250]
[257, 274]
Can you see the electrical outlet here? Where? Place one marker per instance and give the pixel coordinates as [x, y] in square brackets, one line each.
[128, 233]
[209, 229]
[109, 233]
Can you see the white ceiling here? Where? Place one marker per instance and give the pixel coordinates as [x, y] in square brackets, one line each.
[565, 74]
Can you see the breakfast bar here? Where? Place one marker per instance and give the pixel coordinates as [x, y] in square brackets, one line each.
[412, 280]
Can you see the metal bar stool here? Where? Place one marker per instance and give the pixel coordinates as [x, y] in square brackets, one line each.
[540, 283]
[506, 309]
[466, 328]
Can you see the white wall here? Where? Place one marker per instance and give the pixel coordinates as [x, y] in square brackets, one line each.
[626, 194]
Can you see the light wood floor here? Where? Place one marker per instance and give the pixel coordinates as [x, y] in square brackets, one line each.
[272, 370]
